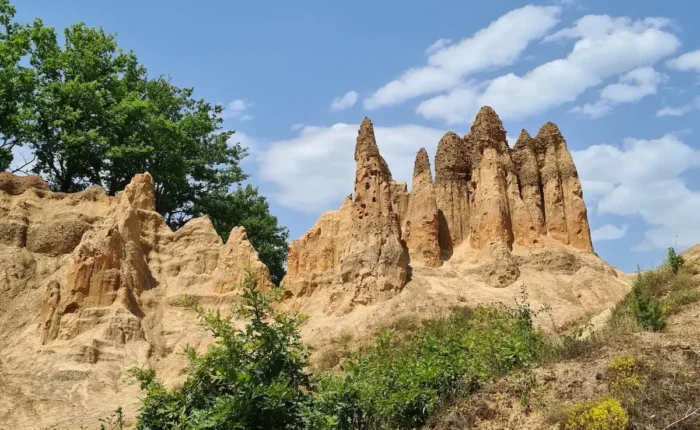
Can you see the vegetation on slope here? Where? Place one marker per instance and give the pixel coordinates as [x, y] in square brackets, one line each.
[256, 378]
[440, 373]
[631, 373]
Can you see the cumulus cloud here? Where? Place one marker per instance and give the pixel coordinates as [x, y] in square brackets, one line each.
[438, 45]
[251, 144]
[609, 232]
[632, 87]
[679, 110]
[237, 109]
[686, 62]
[315, 170]
[604, 47]
[644, 178]
[345, 101]
[500, 44]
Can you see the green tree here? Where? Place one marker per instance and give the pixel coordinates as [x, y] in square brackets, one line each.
[16, 83]
[246, 207]
[250, 378]
[94, 116]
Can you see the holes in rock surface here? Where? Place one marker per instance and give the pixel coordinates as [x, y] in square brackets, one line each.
[71, 308]
[374, 200]
[366, 185]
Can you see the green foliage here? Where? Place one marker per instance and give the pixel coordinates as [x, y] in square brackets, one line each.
[606, 414]
[114, 421]
[94, 116]
[646, 308]
[16, 83]
[401, 380]
[251, 378]
[246, 207]
[674, 260]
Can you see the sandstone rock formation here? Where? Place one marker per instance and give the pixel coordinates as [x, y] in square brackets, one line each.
[494, 221]
[486, 197]
[90, 285]
[421, 225]
[358, 249]
[452, 175]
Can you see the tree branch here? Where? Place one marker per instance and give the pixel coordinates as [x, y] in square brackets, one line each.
[21, 168]
[689, 414]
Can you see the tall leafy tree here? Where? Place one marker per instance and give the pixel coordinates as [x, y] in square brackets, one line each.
[16, 83]
[92, 115]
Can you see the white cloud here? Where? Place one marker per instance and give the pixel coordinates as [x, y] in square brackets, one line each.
[500, 44]
[248, 142]
[237, 109]
[686, 62]
[679, 110]
[315, 170]
[345, 101]
[632, 87]
[297, 126]
[438, 45]
[605, 47]
[609, 232]
[644, 179]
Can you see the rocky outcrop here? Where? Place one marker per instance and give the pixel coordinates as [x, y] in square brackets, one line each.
[565, 211]
[91, 285]
[359, 248]
[486, 196]
[528, 173]
[421, 225]
[16, 185]
[452, 175]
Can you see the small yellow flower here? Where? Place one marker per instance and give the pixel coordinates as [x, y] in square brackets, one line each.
[606, 414]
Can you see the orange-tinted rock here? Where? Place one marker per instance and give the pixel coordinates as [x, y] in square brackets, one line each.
[488, 191]
[376, 261]
[312, 259]
[452, 173]
[566, 217]
[528, 174]
[127, 251]
[235, 258]
[359, 246]
[420, 228]
[16, 185]
[484, 193]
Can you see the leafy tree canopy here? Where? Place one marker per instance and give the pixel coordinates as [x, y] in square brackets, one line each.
[92, 115]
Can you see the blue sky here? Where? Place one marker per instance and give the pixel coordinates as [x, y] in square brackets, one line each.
[619, 78]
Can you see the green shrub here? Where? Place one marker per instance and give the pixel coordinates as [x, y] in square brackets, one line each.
[606, 414]
[674, 260]
[398, 382]
[252, 378]
[646, 308]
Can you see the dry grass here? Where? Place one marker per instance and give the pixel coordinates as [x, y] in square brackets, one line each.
[661, 388]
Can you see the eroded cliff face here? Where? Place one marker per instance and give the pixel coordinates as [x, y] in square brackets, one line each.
[91, 285]
[357, 251]
[487, 198]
